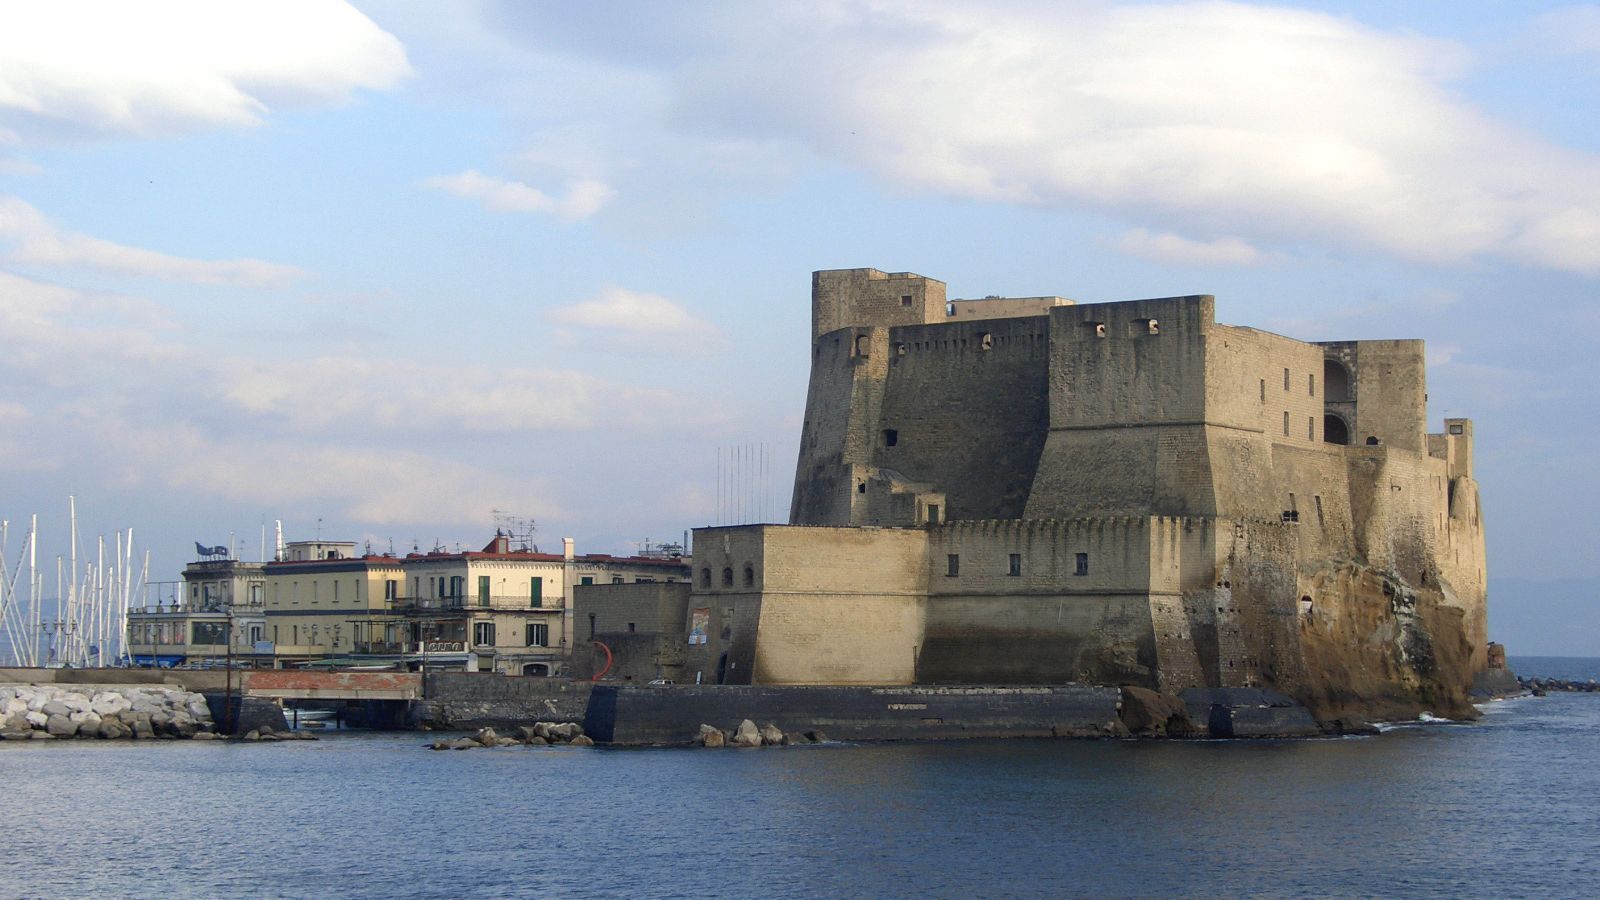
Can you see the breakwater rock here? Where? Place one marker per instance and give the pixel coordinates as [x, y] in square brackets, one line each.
[537, 735]
[1541, 686]
[138, 712]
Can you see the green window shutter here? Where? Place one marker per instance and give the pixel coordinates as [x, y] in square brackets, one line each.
[483, 590]
[536, 592]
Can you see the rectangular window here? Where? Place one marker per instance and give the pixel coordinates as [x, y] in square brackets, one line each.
[536, 592]
[954, 565]
[1263, 390]
[891, 437]
[1082, 564]
[1286, 379]
[616, 579]
[1286, 423]
[905, 299]
[336, 592]
[483, 590]
[391, 590]
[1016, 565]
[933, 513]
[1311, 384]
[1311, 428]
[538, 635]
[1318, 498]
[589, 579]
[631, 628]
[483, 634]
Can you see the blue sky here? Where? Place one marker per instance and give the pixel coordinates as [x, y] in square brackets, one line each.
[392, 266]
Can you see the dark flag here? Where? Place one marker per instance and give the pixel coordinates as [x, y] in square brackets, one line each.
[203, 550]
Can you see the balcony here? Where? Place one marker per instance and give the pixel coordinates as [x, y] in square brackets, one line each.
[424, 606]
[408, 648]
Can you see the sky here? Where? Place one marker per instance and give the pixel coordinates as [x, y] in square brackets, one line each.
[378, 270]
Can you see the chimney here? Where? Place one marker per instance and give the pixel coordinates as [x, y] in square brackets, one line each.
[566, 548]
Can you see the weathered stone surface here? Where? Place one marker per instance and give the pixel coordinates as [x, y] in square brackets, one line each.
[55, 708]
[36, 719]
[537, 741]
[60, 725]
[204, 736]
[1151, 714]
[747, 735]
[770, 735]
[583, 740]
[487, 737]
[712, 737]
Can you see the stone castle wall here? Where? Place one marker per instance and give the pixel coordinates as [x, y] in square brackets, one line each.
[1252, 510]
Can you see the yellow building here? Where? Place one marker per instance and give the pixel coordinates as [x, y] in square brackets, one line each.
[497, 609]
[322, 599]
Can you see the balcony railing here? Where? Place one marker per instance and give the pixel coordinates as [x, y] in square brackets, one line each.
[398, 648]
[465, 603]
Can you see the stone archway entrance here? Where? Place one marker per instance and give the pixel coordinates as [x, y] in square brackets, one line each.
[1334, 429]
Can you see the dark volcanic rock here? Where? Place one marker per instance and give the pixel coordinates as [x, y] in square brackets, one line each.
[1148, 713]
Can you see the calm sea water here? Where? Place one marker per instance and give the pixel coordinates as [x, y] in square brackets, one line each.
[1509, 805]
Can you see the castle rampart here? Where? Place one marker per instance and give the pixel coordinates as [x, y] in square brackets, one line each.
[1029, 490]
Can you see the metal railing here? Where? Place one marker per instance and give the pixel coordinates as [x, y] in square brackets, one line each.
[469, 602]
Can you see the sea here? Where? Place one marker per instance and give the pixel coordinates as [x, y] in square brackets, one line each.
[1508, 805]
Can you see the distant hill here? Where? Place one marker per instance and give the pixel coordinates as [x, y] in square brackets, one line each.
[1560, 617]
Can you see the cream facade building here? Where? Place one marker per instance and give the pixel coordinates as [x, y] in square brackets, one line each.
[191, 622]
[499, 609]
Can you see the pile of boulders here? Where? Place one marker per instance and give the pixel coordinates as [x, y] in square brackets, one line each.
[748, 735]
[139, 712]
[1541, 686]
[268, 733]
[536, 735]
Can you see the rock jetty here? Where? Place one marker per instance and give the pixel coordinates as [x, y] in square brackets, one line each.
[537, 735]
[748, 735]
[1541, 686]
[112, 712]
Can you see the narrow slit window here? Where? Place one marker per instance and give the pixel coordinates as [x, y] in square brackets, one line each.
[1014, 565]
[953, 565]
[1081, 564]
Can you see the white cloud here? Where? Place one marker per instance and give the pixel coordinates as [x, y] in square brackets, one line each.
[637, 315]
[373, 393]
[584, 197]
[1178, 250]
[111, 68]
[35, 240]
[1216, 120]
[377, 485]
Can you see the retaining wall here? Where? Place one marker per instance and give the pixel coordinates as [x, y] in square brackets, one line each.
[627, 714]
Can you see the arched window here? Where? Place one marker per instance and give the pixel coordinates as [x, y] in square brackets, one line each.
[705, 578]
[749, 575]
[1372, 441]
[1334, 430]
[727, 577]
[1335, 381]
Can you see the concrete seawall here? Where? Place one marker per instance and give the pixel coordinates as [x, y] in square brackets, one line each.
[628, 714]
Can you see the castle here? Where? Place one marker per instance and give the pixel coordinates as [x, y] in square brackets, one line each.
[1031, 490]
